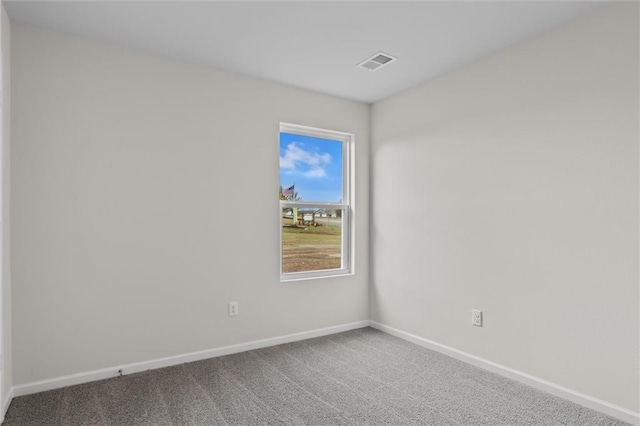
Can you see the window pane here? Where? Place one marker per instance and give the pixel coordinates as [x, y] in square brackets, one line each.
[311, 239]
[310, 169]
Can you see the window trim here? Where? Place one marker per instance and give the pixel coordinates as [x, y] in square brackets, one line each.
[347, 246]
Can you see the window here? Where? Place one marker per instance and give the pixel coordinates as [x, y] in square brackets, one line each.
[315, 203]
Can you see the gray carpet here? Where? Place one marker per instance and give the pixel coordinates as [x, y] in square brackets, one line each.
[353, 378]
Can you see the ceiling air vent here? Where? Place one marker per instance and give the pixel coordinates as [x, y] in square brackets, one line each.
[377, 61]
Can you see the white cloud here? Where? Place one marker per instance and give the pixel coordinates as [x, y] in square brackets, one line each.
[310, 164]
[318, 172]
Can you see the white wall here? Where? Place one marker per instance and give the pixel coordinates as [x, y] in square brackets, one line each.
[511, 186]
[5, 28]
[144, 198]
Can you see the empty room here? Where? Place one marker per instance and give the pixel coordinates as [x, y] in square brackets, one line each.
[320, 213]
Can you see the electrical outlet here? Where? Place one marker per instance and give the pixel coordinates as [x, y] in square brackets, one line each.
[476, 317]
[233, 309]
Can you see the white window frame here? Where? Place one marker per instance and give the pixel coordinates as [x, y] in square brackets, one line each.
[347, 140]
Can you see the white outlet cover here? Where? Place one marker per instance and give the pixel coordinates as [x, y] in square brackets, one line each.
[476, 317]
[233, 309]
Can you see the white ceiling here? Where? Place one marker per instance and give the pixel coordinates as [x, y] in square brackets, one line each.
[313, 45]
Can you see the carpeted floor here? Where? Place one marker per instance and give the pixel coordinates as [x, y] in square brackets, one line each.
[353, 378]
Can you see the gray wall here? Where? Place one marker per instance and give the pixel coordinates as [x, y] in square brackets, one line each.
[5, 28]
[511, 186]
[144, 198]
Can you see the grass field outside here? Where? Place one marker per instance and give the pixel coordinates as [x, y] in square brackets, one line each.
[311, 248]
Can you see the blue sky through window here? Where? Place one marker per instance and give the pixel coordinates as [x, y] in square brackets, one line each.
[314, 165]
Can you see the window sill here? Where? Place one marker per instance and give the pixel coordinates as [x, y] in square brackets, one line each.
[305, 276]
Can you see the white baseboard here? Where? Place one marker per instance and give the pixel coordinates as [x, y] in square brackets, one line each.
[6, 402]
[612, 410]
[106, 373]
